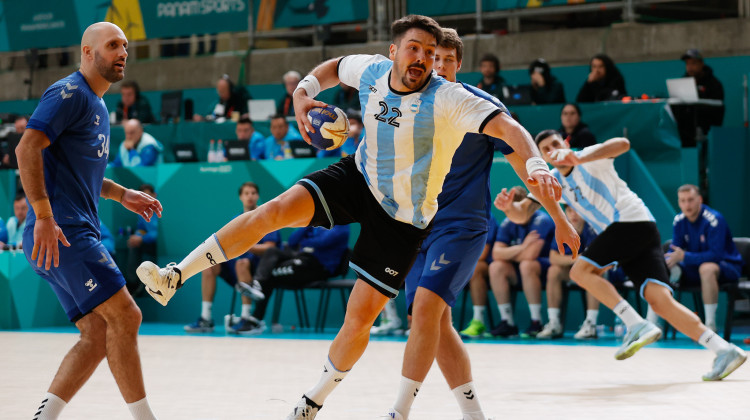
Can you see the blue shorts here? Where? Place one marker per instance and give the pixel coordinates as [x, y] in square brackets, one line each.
[229, 271]
[728, 273]
[87, 275]
[445, 263]
[543, 262]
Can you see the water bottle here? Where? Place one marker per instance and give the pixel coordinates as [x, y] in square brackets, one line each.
[211, 151]
[220, 157]
[619, 328]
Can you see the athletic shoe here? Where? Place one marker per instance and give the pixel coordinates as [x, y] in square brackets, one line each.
[534, 328]
[551, 330]
[161, 283]
[475, 329]
[587, 331]
[393, 414]
[387, 327]
[642, 333]
[200, 326]
[725, 363]
[305, 409]
[254, 291]
[504, 330]
[248, 326]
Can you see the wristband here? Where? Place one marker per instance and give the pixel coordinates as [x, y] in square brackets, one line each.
[535, 164]
[42, 208]
[310, 84]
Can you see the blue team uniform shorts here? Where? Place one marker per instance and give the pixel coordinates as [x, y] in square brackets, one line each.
[445, 263]
[543, 262]
[229, 270]
[87, 275]
[728, 273]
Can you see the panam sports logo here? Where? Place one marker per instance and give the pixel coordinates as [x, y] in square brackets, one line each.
[198, 7]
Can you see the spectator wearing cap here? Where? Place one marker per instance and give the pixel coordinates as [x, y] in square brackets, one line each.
[491, 82]
[709, 87]
[604, 82]
[132, 104]
[285, 106]
[575, 132]
[545, 88]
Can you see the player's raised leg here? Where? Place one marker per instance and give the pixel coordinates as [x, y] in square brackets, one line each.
[293, 208]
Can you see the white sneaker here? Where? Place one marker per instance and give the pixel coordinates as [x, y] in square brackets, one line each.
[254, 291]
[389, 326]
[725, 363]
[305, 409]
[551, 330]
[588, 330]
[639, 335]
[161, 283]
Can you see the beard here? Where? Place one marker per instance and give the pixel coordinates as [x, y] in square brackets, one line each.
[411, 84]
[108, 71]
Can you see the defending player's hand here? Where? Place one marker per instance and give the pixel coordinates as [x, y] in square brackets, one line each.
[46, 235]
[547, 184]
[566, 234]
[141, 203]
[504, 199]
[302, 105]
[565, 157]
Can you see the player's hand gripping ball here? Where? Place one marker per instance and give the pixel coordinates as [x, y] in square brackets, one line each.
[331, 127]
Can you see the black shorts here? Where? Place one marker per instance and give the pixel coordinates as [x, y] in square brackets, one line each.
[636, 247]
[386, 248]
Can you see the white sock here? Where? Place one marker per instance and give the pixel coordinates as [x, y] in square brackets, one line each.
[246, 310]
[206, 310]
[651, 315]
[554, 315]
[536, 311]
[328, 381]
[391, 312]
[713, 342]
[50, 408]
[479, 312]
[141, 410]
[407, 391]
[627, 314]
[592, 315]
[506, 312]
[710, 310]
[468, 401]
[207, 254]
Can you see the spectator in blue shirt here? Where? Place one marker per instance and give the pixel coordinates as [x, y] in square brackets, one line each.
[313, 254]
[141, 244]
[245, 131]
[702, 249]
[277, 144]
[17, 222]
[139, 148]
[521, 252]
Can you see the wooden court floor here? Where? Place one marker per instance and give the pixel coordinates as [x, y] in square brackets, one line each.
[213, 378]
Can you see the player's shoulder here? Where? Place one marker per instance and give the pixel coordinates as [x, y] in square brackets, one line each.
[678, 218]
[541, 217]
[364, 61]
[713, 217]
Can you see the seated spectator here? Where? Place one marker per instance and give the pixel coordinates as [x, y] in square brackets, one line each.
[352, 142]
[141, 245]
[604, 82]
[545, 88]
[245, 131]
[313, 254]
[478, 286]
[575, 132]
[491, 82]
[277, 144]
[521, 252]
[285, 106]
[20, 124]
[17, 222]
[347, 98]
[107, 239]
[237, 272]
[702, 251]
[138, 149]
[232, 102]
[709, 87]
[132, 104]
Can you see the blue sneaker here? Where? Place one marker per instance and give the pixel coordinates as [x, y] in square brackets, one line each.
[639, 335]
[200, 326]
[248, 326]
[725, 363]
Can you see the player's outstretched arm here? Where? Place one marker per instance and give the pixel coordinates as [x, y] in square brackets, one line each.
[136, 201]
[609, 149]
[516, 211]
[323, 77]
[31, 169]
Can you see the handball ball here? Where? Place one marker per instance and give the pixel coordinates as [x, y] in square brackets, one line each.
[331, 127]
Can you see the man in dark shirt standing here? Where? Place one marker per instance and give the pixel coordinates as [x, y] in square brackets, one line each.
[709, 87]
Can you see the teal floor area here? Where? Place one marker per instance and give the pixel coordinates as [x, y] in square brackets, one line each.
[606, 340]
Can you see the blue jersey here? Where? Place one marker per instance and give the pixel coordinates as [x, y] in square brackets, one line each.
[513, 234]
[328, 246]
[76, 122]
[491, 235]
[587, 235]
[708, 239]
[465, 200]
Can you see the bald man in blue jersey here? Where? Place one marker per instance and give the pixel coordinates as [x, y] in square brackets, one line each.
[61, 158]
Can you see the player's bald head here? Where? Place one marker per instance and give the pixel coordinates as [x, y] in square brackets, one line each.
[99, 32]
[104, 50]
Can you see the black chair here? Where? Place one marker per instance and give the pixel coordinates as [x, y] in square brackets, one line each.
[338, 281]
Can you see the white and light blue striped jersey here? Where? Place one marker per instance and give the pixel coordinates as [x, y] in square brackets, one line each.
[410, 138]
[600, 196]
